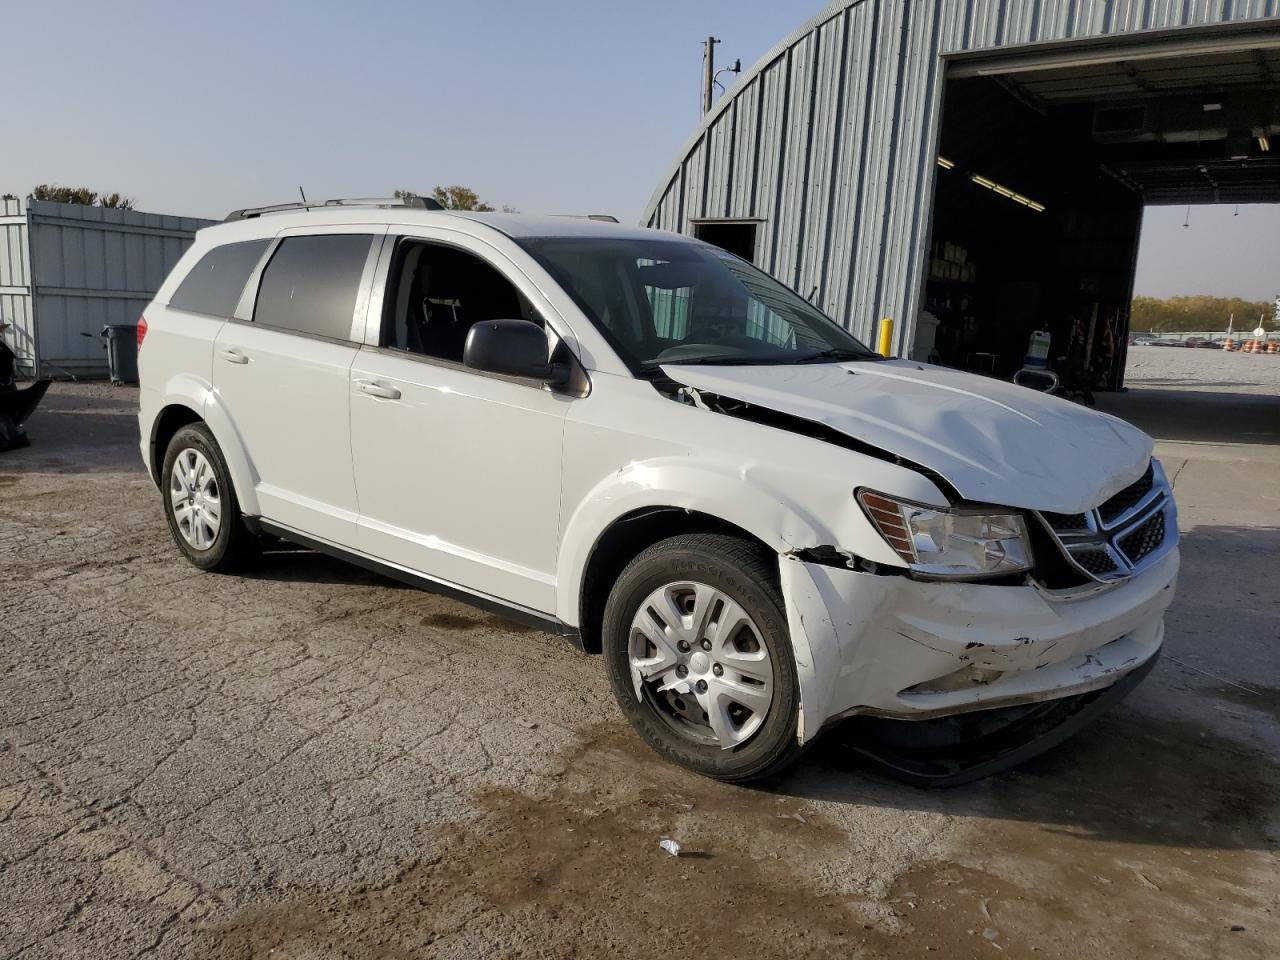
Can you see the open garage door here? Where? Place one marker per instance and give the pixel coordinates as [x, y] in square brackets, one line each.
[1047, 159]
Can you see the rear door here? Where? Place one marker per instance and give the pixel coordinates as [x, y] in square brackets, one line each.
[281, 371]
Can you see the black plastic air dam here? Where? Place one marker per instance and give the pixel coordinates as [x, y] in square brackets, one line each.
[951, 751]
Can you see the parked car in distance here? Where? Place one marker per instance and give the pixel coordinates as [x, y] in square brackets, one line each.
[648, 445]
[1142, 340]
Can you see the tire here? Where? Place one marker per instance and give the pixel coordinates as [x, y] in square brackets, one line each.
[675, 722]
[228, 547]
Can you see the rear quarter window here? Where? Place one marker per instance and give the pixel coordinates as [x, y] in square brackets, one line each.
[214, 284]
[311, 284]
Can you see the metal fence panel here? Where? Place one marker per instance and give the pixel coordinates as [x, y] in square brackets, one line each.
[68, 270]
[15, 283]
[93, 266]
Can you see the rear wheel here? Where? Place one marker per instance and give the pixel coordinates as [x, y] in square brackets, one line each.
[700, 658]
[200, 503]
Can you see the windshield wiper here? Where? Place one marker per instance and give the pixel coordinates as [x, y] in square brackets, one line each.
[722, 361]
[833, 354]
[837, 353]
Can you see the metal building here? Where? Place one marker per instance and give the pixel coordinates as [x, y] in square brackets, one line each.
[893, 155]
[67, 269]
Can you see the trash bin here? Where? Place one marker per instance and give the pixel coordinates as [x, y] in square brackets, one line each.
[122, 351]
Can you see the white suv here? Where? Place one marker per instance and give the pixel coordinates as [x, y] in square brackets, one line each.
[644, 443]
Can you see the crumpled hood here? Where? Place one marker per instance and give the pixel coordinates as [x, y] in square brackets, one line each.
[995, 442]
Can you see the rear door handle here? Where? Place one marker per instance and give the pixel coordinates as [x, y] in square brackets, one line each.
[234, 356]
[375, 389]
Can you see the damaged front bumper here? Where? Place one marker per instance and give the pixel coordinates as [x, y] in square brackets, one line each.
[892, 646]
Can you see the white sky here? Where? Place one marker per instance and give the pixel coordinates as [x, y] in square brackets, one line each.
[1219, 253]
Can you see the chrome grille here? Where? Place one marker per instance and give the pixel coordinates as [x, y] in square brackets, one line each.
[1125, 534]
[1143, 540]
[1096, 562]
[1067, 522]
[1129, 497]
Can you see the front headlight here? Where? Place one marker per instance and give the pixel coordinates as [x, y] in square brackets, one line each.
[949, 544]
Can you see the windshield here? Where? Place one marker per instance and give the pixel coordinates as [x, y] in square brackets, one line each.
[669, 301]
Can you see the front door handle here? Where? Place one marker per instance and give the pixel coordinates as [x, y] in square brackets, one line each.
[375, 389]
[234, 356]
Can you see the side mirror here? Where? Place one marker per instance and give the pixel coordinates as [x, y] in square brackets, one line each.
[513, 348]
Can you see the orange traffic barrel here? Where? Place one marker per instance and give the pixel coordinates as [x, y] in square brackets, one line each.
[1228, 344]
[1273, 346]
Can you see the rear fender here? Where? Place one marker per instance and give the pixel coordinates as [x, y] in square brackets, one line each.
[198, 395]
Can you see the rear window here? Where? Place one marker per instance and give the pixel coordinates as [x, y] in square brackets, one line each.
[311, 284]
[215, 283]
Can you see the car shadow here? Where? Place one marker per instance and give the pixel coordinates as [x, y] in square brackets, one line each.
[283, 562]
[72, 432]
[1203, 416]
[1129, 778]
[1157, 769]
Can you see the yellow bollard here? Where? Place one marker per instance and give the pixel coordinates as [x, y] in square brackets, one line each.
[886, 337]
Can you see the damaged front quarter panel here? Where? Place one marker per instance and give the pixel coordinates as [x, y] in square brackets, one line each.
[788, 490]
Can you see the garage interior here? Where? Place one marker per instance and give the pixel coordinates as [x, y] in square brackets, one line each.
[1044, 170]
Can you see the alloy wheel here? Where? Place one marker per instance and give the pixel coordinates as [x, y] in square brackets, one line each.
[699, 659]
[195, 499]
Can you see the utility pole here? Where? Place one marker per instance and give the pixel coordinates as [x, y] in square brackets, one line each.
[708, 71]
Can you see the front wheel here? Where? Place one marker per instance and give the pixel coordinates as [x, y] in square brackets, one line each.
[699, 656]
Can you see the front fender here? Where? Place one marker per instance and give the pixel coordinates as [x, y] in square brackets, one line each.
[738, 496]
[198, 395]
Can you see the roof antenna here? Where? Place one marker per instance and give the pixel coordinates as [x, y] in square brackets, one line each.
[304, 196]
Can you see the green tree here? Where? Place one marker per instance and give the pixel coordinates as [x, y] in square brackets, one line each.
[1179, 314]
[458, 197]
[81, 195]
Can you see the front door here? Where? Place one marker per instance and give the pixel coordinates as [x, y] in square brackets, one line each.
[458, 472]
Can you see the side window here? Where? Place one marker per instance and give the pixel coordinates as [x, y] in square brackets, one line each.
[434, 295]
[311, 284]
[215, 283]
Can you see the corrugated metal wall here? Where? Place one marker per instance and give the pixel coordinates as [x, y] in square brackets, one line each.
[67, 269]
[15, 281]
[830, 138]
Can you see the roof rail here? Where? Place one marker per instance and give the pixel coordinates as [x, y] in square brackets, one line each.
[411, 201]
[598, 217]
